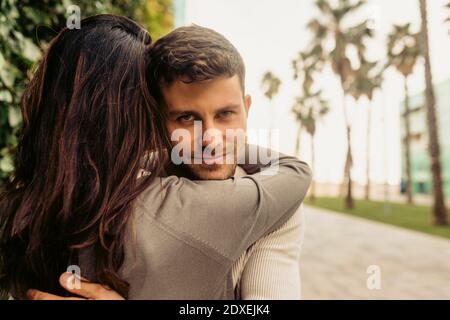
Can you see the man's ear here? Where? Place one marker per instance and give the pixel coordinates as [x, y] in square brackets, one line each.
[247, 102]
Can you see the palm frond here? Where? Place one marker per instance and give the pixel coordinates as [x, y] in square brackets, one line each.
[270, 84]
[403, 48]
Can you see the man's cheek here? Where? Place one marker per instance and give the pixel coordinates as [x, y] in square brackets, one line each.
[235, 136]
[178, 134]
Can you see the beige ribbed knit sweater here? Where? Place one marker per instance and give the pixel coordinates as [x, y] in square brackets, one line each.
[269, 269]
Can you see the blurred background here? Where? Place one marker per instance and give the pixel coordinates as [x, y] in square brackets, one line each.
[358, 89]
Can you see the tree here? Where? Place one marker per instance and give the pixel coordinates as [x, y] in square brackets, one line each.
[310, 106]
[330, 28]
[270, 84]
[366, 79]
[27, 26]
[308, 109]
[439, 208]
[403, 52]
[304, 66]
[448, 8]
[156, 15]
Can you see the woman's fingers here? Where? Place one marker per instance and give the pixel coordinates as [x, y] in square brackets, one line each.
[79, 286]
[82, 287]
[33, 294]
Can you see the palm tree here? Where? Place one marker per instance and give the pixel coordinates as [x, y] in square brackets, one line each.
[448, 8]
[305, 65]
[270, 85]
[439, 208]
[330, 27]
[366, 79]
[403, 52]
[309, 107]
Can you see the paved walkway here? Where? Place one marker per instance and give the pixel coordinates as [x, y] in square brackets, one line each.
[338, 249]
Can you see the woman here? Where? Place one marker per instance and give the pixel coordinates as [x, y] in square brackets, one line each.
[77, 196]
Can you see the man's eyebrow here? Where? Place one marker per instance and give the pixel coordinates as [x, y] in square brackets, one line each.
[229, 108]
[174, 113]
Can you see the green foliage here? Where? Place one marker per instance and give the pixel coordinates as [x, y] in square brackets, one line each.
[310, 106]
[330, 27]
[403, 49]
[27, 26]
[447, 6]
[158, 17]
[270, 84]
[366, 79]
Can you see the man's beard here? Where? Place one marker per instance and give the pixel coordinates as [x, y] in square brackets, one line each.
[211, 171]
[206, 168]
[203, 171]
[220, 170]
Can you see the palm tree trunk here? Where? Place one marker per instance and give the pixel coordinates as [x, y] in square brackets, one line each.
[349, 197]
[312, 196]
[348, 161]
[369, 130]
[271, 124]
[439, 209]
[298, 140]
[385, 165]
[407, 145]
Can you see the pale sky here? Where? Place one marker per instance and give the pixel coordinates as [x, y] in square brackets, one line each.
[269, 34]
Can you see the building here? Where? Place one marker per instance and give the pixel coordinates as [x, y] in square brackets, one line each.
[420, 163]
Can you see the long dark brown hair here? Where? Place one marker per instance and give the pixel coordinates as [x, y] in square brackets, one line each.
[88, 122]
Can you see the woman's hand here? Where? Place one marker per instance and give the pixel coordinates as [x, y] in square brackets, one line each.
[87, 290]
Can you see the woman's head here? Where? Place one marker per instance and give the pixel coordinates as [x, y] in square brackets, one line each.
[88, 121]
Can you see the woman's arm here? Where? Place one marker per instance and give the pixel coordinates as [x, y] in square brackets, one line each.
[227, 216]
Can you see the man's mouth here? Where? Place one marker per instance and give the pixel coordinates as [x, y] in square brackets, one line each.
[221, 159]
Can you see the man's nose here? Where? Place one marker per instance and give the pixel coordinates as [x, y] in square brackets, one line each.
[211, 133]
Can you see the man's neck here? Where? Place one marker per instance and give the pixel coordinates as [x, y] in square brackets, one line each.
[179, 171]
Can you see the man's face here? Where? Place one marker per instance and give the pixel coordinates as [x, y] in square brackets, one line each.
[219, 105]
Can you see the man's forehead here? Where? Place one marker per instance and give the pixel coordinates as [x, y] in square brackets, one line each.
[213, 93]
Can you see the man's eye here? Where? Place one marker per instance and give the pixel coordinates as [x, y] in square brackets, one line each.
[225, 114]
[186, 118]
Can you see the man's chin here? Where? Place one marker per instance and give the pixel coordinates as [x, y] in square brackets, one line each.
[212, 171]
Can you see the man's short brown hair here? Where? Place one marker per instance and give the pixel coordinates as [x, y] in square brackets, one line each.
[192, 54]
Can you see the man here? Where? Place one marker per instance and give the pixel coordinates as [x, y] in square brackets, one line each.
[198, 76]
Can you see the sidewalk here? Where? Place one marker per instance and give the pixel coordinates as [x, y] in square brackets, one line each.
[338, 249]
